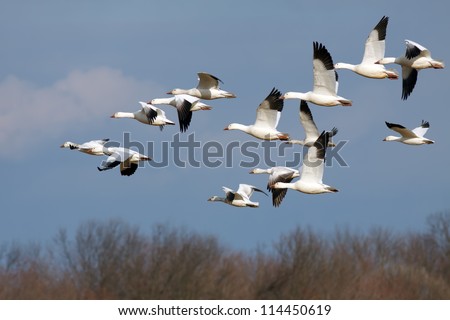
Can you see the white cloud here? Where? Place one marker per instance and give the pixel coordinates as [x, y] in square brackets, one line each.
[29, 113]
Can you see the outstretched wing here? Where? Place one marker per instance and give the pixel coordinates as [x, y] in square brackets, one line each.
[280, 174]
[313, 160]
[413, 50]
[150, 111]
[323, 70]
[306, 118]
[420, 131]
[375, 43]
[401, 129]
[246, 190]
[127, 168]
[112, 161]
[409, 76]
[207, 81]
[268, 112]
[184, 113]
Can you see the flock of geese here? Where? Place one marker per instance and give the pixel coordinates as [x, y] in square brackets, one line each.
[324, 93]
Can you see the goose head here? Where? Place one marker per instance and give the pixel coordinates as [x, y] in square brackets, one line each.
[390, 138]
[214, 198]
[235, 126]
[177, 91]
[69, 144]
[257, 170]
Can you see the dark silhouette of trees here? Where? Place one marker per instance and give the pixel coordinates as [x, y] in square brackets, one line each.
[113, 260]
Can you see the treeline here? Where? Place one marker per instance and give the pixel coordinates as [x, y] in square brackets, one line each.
[114, 260]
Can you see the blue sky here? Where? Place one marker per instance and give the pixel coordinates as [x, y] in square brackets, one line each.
[66, 67]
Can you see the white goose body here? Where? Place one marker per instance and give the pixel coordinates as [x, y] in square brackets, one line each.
[416, 57]
[312, 170]
[148, 114]
[311, 131]
[94, 147]
[127, 159]
[411, 137]
[207, 88]
[374, 51]
[239, 198]
[185, 105]
[277, 174]
[325, 87]
[268, 115]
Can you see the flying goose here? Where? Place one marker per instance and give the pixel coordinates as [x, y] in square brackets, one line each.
[416, 57]
[239, 198]
[127, 158]
[148, 115]
[94, 147]
[311, 131]
[312, 170]
[267, 117]
[207, 88]
[185, 105]
[374, 51]
[413, 137]
[325, 87]
[277, 174]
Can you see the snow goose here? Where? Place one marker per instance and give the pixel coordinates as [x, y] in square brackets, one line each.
[311, 131]
[148, 115]
[413, 137]
[325, 87]
[127, 158]
[185, 105]
[94, 147]
[312, 170]
[267, 117]
[239, 198]
[207, 88]
[374, 51]
[277, 174]
[416, 57]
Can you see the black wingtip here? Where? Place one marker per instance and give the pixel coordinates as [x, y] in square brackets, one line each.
[425, 124]
[320, 52]
[274, 100]
[381, 27]
[305, 110]
[394, 125]
[259, 190]
[333, 132]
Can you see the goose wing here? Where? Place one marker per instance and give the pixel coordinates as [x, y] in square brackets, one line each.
[413, 50]
[306, 118]
[246, 190]
[409, 76]
[150, 111]
[207, 81]
[184, 113]
[323, 71]
[280, 174]
[127, 168]
[405, 132]
[268, 112]
[112, 161]
[313, 160]
[375, 43]
[420, 131]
